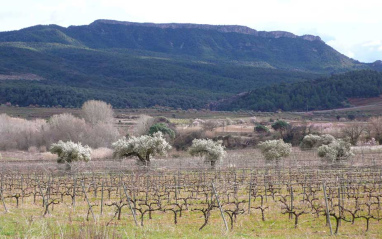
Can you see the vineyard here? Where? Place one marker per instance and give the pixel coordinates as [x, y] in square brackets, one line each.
[301, 196]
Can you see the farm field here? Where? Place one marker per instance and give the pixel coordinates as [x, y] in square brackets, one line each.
[181, 196]
[175, 197]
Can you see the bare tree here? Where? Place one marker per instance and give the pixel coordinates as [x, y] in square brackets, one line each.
[210, 125]
[375, 126]
[354, 131]
[96, 111]
[143, 125]
[66, 127]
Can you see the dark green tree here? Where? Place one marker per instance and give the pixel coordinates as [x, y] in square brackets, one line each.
[261, 129]
[280, 126]
[162, 127]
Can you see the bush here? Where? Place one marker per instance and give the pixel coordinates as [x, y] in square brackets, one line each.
[281, 126]
[66, 127]
[101, 135]
[17, 133]
[311, 141]
[69, 152]
[351, 117]
[102, 153]
[275, 149]
[22, 134]
[212, 151]
[261, 129]
[210, 125]
[326, 139]
[143, 125]
[336, 150]
[183, 139]
[295, 134]
[162, 127]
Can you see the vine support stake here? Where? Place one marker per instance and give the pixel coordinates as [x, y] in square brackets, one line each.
[128, 201]
[102, 198]
[2, 199]
[87, 200]
[220, 208]
[327, 210]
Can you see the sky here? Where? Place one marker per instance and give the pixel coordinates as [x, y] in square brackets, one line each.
[352, 27]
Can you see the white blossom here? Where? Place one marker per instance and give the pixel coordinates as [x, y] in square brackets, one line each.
[313, 141]
[275, 149]
[212, 151]
[338, 149]
[70, 152]
[142, 147]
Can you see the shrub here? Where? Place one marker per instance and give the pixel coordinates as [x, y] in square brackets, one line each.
[311, 141]
[143, 125]
[17, 133]
[102, 153]
[275, 149]
[261, 129]
[375, 127]
[336, 150]
[354, 131]
[210, 125]
[66, 127]
[351, 117]
[142, 147]
[162, 127]
[326, 139]
[184, 139]
[212, 151]
[295, 134]
[101, 135]
[69, 152]
[280, 126]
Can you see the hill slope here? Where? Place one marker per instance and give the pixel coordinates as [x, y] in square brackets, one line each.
[141, 65]
[320, 94]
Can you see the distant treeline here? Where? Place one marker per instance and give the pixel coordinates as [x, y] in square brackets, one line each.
[26, 93]
[323, 93]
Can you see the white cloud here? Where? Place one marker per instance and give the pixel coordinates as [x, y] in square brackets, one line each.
[373, 43]
[350, 54]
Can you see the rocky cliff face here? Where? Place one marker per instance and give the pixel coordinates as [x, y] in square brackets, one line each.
[219, 28]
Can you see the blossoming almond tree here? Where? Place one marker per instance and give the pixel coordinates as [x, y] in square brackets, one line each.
[311, 141]
[336, 150]
[275, 149]
[69, 152]
[142, 147]
[212, 151]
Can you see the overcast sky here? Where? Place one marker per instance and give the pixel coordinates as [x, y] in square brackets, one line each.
[352, 27]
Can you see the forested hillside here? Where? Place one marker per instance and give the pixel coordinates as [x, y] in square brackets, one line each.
[142, 65]
[323, 93]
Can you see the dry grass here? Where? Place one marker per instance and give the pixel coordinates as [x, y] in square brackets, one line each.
[102, 153]
[376, 149]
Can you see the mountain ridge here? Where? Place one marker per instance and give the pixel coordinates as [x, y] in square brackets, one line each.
[176, 65]
[220, 28]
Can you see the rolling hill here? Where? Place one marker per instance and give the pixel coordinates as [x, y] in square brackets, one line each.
[143, 64]
[336, 91]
